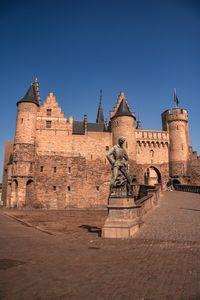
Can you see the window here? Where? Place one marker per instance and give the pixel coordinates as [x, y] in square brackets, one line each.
[22, 120]
[69, 188]
[41, 168]
[107, 148]
[31, 167]
[54, 188]
[48, 124]
[69, 169]
[54, 169]
[97, 188]
[48, 112]
[91, 157]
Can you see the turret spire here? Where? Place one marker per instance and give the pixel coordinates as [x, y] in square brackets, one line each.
[31, 95]
[100, 116]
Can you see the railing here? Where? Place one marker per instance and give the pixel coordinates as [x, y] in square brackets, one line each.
[187, 188]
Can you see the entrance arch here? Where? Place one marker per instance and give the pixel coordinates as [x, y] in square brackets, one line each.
[175, 181]
[29, 193]
[152, 176]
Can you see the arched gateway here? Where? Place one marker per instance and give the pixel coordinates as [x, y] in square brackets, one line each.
[152, 176]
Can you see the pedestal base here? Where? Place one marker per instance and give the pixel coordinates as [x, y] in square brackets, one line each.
[123, 218]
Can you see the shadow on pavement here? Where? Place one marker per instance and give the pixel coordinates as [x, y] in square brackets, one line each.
[92, 229]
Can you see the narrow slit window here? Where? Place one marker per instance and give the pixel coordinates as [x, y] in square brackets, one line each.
[69, 188]
[69, 169]
[54, 169]
[41, 168]
[97, 188]
[54, 188]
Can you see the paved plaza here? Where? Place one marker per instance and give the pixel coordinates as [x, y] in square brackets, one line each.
[162, 261]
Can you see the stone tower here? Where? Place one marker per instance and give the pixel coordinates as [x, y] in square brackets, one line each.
[175, 121]
[24, 148]
[123, 124]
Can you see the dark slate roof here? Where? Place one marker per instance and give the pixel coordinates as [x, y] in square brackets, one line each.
[78, 127]
[30, 96]
[97, 127]
[100, 116]
[123, 109]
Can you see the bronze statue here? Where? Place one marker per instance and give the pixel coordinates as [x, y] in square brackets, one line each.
[118, 159]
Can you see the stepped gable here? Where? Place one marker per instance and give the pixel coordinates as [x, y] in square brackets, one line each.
[51, 108]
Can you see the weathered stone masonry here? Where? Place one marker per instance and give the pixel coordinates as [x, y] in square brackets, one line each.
[57, 162]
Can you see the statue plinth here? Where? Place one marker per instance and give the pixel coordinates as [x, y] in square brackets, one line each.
[123, 215]
[123, 218]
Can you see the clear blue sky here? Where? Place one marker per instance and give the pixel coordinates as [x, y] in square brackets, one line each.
[75, 48]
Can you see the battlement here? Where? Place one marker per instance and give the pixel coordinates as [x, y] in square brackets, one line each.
[175, 114]
[152, 135]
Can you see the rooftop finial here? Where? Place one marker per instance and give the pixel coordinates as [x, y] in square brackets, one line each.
[37, 90]
[100, 99]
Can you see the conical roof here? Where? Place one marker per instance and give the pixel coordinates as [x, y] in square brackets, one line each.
[30, 96]
[100, 116]
[123, 109]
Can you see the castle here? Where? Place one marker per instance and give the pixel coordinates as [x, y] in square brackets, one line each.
[56, 162]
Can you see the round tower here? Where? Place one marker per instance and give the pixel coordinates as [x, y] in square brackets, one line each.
[175, 121]
[123, 124]
[24, 147]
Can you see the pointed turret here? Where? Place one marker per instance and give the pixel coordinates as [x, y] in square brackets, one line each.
[123, 109]
[30, 96]
[100, 116]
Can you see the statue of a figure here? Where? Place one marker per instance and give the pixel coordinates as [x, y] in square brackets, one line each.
[118, 159]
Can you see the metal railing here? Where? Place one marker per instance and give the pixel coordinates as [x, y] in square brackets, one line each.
[187, 188]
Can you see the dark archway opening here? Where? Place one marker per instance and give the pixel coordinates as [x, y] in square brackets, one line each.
[30, 195]
[175, 181]
[152, 176]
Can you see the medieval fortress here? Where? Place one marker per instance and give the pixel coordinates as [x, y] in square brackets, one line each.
[57, 162]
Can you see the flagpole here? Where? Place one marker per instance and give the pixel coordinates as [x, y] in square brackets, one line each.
[175, 98]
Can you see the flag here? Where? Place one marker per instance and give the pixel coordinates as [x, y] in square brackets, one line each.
[176, 101]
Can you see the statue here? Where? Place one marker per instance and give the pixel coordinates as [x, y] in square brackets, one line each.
[118, 159]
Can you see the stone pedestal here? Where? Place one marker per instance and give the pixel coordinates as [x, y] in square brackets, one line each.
[123, 218]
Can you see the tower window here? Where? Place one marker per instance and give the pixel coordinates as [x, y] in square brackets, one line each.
[41, 168]
[54, 169]
[54, 188]
[69, 169]
[31, 167]
[48, 124]
[48, 112]
[22, 120]
[97, 188]
[69, 188]
[107, 148]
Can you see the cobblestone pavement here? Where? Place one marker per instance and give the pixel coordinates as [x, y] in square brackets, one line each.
[162, 261]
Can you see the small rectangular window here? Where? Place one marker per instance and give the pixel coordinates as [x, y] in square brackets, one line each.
[54, 188]
[48, 112]
[69, 170]
[97, 188]
[107, 148]
[41, 168]
[54, 169]
[69, 188]
[48, 124]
